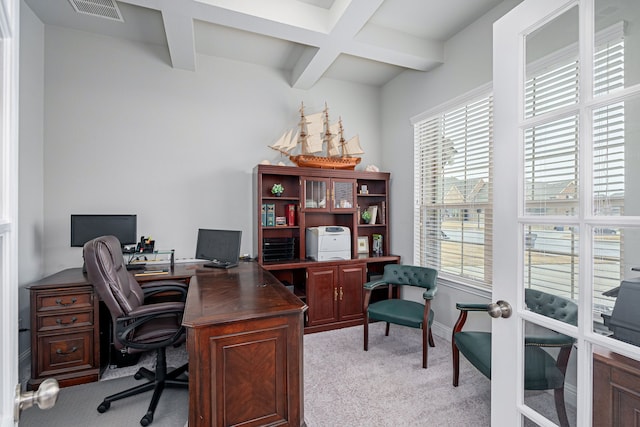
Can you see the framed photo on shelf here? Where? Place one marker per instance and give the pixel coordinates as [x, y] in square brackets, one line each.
[363, 245]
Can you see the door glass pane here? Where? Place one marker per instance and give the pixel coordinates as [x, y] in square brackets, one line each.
[551, 259]
[315, 193]
[550, 363]
[551, 168]
[616, 43]
[552, 65]
[616, 177]
[343, 195]
[616, 275]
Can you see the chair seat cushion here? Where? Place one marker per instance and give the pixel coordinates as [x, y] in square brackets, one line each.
[541, 372]
[476, 347]
[400, 312]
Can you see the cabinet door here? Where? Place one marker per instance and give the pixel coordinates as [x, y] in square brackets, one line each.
[328, 195]
[322, 295]
[343, 195]
[317, 194]
[350, 292]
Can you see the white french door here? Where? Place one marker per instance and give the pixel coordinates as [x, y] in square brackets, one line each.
[9, 44]
[566, 76]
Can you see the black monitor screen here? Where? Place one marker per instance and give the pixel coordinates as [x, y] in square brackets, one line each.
[221, 245]
[87, 227]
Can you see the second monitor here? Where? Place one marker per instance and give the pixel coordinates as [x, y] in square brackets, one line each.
[220, 247]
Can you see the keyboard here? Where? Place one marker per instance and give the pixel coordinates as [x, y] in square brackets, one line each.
[137, 266]
[220, 264]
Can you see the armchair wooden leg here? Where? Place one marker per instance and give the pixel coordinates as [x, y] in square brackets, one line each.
[386, 333]
[425, 348]
[366, 332]
[560, 408]
[456, 363]
[431, 342]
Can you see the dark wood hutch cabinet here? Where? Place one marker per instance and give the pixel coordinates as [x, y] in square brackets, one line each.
[321, 197]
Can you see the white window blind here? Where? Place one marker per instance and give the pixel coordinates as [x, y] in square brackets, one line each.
[453, 191]
[551, 175]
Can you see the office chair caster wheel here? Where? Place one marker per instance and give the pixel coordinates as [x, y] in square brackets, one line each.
[138, 376]
[104, 407]
[146, 420]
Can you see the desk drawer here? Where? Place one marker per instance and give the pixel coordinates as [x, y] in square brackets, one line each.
[65, 353]
[65, 321]
[46, 301]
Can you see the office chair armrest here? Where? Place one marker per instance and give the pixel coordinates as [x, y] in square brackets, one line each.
[429, 293]
[369, 286]
[465, 308]
[472, 307]
[125, 326]
[159, 286]
[154, 310]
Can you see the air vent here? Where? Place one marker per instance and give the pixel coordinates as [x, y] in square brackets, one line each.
[107, 9]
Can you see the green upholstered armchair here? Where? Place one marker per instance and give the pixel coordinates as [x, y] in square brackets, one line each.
[400, 311]
[542, 371]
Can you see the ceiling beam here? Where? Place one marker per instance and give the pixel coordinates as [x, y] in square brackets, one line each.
[325, 34]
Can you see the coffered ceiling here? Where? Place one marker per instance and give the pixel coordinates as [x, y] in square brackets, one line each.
[363, 41]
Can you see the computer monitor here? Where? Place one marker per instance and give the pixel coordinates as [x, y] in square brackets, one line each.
[222, 246]
[88, 227]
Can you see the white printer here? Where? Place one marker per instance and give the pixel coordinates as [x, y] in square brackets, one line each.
[328, 242]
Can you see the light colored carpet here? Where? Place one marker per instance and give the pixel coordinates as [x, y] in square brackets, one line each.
[343, 386]
[175, 357]
[386, 386]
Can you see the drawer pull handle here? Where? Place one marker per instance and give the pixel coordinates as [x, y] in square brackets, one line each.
[74, 319]
[73, 350]
[73, 301]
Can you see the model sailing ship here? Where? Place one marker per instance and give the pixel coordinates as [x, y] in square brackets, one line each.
[315, 135]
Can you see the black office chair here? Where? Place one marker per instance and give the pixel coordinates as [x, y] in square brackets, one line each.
[138, 323]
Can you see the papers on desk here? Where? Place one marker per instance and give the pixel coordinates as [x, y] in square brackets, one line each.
[151, 272]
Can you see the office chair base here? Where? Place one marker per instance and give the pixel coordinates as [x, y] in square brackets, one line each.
[157, 381]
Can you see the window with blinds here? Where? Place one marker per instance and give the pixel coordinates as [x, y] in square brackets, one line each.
[551, 171]
[453, 178]
[453, 191]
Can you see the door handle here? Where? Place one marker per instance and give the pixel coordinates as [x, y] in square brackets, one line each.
[45, 397]
[500, 309]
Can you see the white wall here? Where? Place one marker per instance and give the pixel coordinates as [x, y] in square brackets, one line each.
[127, 133]
[468, 65]
[31, 131]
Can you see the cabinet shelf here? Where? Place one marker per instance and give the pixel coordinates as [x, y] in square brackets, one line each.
[332, 290]
[282, 198]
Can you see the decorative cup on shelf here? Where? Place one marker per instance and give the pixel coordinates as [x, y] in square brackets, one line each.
[277, 190]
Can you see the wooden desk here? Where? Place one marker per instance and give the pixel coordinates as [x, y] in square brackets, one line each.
[616, 389]
[65, 326]
[245, 341]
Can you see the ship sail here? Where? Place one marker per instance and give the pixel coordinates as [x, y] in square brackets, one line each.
[352, 147]
[333, 147]
[285, 144]
[310, 136]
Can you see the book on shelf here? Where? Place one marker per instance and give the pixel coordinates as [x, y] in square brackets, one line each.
[291, 214]
[263, 215]
[383, 212]
[373, 210]
[271, 215]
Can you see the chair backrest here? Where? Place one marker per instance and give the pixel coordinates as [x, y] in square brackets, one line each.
[411, 275]
[109, 276]
[551, 306]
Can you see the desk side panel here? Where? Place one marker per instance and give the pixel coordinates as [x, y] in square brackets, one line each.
[248, 373]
